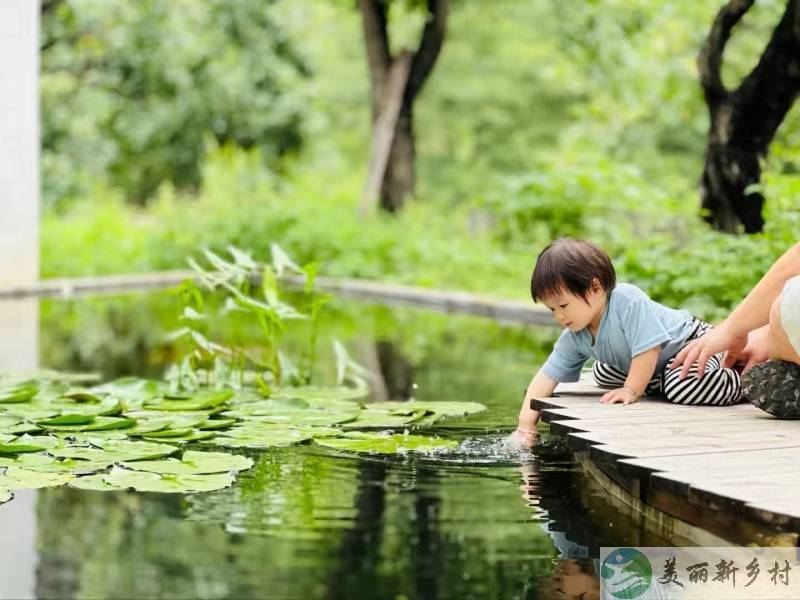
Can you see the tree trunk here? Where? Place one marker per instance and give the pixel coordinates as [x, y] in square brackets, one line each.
[391, 179]
[400, 177]
[744, 121]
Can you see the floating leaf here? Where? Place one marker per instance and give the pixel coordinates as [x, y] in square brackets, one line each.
[29, 461]
[94, 483]
[194, 463]
[199, 401]
[242, 438]
[97, 424]
[313, 392]
[18, 393]
[386, 444]
[5, 496]
[216, 424]
[169, 433]
[194, 435]
[116, 450]
[73, 419]
[16, 448]
[377, 418]
[446, 409]
[152, 482]
[9, 421]
[16, 478]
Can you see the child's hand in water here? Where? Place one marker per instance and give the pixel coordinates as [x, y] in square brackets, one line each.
[520, 440]
[624, 395]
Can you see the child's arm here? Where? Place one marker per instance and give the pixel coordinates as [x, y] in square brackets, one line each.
[641, 372]
[541, 386]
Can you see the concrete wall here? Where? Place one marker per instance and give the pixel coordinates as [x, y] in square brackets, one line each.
[19, 256]
[19, 141]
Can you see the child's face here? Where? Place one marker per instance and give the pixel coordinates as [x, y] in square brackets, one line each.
[574, 312]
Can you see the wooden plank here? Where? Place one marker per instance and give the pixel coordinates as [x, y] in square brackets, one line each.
[613, 453]
[734, 462]
[643, 467]
[684, 420]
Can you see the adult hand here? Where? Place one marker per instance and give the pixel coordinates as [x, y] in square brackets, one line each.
[700, 350]
[756, 351]
[519, 441]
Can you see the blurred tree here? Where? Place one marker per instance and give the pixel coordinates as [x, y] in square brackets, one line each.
[396, 80]
[132, 90]
[744, 120]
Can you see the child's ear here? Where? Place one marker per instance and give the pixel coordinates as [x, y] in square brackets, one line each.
[596, 285]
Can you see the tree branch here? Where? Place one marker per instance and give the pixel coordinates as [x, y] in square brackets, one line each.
[769, 90]
[709, 61]
[376, 39]
[429, 47]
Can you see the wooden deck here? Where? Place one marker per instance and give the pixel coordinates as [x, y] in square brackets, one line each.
[731, 471]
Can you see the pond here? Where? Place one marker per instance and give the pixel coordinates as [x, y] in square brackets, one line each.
[309, 522]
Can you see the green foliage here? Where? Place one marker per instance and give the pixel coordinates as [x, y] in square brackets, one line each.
[540, 120]
[132, 91]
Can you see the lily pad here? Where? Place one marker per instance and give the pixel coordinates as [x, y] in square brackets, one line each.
[312, 392]
[16, 478]
[242, 438]
[96, 424]
[199, 401]
[94, 483]
[213, 424]
[9, 421]
[152, 482]
[194, 435]
[5, 496]
[194, 463]
[27, 461]
[445, 409]
[19, 428]
[68, 419]
[116, 450]
[377, 418]
[15, 394]
[386, 444]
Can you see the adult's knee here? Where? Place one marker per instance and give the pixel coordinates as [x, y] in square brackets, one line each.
[780, 347]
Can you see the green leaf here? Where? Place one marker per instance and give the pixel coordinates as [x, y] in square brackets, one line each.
[199, 401]
[94, 483]
[281, 261]
[386, 444]
[383, 419]
[194, 463]
[69, 419]
[242, 438]
[18, 393]
[16, 478]
[321, 393]
[211, 424]
[152, 482]
[97, 424]
[5, 496]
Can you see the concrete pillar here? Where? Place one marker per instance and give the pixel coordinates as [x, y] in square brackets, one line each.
[19, 256]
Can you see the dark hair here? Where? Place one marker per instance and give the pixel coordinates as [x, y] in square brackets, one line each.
[571, 265]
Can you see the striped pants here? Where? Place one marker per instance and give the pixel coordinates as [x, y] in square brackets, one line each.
[717, 387]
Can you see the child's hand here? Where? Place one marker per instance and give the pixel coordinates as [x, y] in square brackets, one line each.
[624, 395]
[519, 441]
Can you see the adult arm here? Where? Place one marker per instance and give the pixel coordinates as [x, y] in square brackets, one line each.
[751, 314]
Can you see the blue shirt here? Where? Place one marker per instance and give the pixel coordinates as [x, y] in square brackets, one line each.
[631, 324]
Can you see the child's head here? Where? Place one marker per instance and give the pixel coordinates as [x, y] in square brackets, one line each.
[570, 270]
